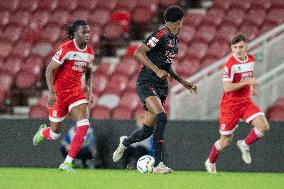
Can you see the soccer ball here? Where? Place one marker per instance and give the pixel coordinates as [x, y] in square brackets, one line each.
[145, 164]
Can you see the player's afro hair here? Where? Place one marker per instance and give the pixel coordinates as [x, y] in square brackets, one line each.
[71, 28]
[173, 14]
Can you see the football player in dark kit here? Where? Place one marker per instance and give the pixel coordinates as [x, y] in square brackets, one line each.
[156, 54]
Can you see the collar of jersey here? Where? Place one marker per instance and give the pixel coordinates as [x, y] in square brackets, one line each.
[78, 47]
[241, 61]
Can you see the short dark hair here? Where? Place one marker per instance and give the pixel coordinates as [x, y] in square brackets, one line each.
[71, 28]
[173, 14]
[238, 38]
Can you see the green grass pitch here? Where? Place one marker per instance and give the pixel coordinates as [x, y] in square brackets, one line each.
[39, 178]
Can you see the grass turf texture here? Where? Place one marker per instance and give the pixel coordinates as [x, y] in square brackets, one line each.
[52, 179]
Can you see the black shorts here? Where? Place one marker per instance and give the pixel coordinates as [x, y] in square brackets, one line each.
[147, 89]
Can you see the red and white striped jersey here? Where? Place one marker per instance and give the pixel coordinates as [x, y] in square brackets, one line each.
[74, 62]
[237, 71]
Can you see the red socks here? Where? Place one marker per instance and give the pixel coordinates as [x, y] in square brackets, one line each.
[216, 148]
[78, 139]
[48, 134]
[253, 136]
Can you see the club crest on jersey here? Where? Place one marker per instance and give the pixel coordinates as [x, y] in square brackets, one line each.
[79, 66]
[58, 53]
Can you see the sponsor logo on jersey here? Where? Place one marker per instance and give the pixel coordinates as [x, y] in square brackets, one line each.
[58, 54]
[79, 66]
[153, 42]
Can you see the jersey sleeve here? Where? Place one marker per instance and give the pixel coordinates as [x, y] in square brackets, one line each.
[155, 38]
[60, 55]
[228, 74]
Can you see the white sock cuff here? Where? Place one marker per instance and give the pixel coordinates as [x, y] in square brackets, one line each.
[54, 135]
[258, 132]
[68, 159]
[83, 122]
[218, 146]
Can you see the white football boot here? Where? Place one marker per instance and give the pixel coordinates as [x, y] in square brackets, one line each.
[245, 151]
[118, 153]
[162, 169]
[210, 167]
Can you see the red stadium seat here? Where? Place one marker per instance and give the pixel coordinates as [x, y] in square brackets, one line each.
[106, 4]
[241, 4]
[218, 49]
[142, 15]
[82, 14]
[116, 84]
[192, 20]
[280, 102]
[42, 101]
[265, 4]
[127, 66]
[11, 5]
[251, 31]
[11, 66]
[87, 4]
[67, 5]
[100, 112]
[22, 49]
[128, 5]
[11, 34]
[197, 50]
[25, 80]
[225, 4]
[38, 112]
[28, 5]
[226, 32]
[122, 113]
[51, 34]
[210, 20]
[266, 27]
[47, 5]
[235, 16]
[103, 14]
[188, 67]
[275, 113]
[40, 19]
[99, 83]
[152, 4]
[5, 49]
[278, 4]
[105, 68]
[113, 30]
[186, 34]
[275, 16]
[4, 18]
[96, 31]
[6, 82]
[207, 61]
[131, 88]
[182, 49]
[62, 14]
[253, 19]
[167, 3]
[205, 34]
[121, 17]
[21, 18]
[42, 49]
[129, 100]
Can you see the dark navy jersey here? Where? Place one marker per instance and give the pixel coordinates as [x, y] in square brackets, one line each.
[163, 45]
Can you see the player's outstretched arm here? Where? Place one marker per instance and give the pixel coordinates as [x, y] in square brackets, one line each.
[49, 75]
[230, 86]
[191, 87]
[89, 80]
[140, 55]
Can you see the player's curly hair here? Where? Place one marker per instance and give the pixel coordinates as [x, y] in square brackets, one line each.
[71, 28]
[173, 14]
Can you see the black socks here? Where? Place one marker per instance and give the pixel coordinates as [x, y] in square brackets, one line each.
[138, 135]
[158, 135]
